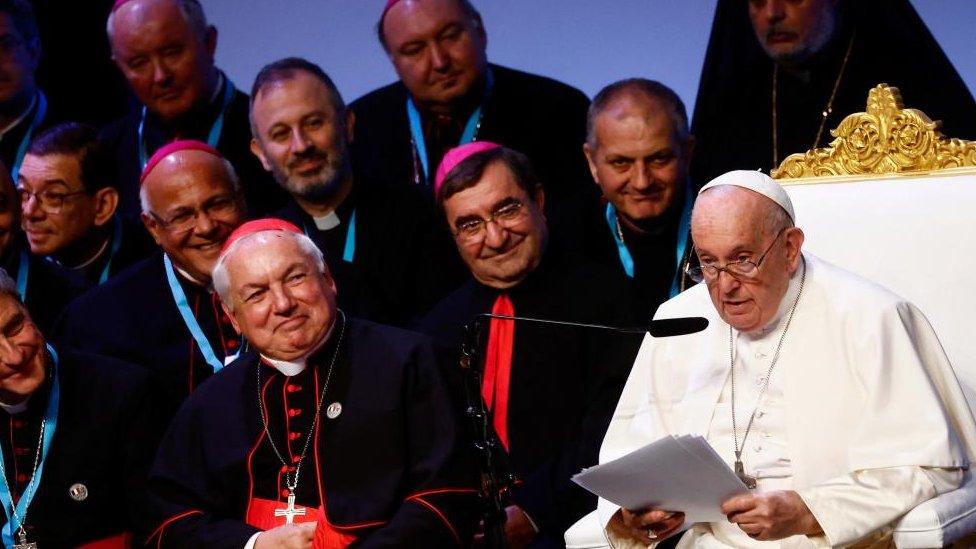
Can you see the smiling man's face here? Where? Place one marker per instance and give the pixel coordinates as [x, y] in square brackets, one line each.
[279, 299]
[196, 184]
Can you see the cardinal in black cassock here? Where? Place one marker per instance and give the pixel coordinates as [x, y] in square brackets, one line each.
[358, 434]
[883, 41]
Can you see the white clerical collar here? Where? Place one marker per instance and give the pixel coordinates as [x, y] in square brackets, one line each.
[785, 304]
[327, 222]
[15, 408]
[296, 366]
[218, 87]
[189, 277]
[13, 124]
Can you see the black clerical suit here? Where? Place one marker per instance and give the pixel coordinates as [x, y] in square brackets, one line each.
[733, 121]
[383, 459]
[134, 317]
[581, 226]
[122, 137]
[93, 480]
[403, 261]
[49, 287]
[537, 116]
[565, 382]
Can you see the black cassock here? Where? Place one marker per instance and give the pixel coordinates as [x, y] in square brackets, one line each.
[122, 136]
[565, 382]
[49, 287]
[383, 461]
[733, 112]
[540, 117]
[402, 258]
[134, 245]
[581, 227]
[134, 317]
[13, 139]
[93, 482]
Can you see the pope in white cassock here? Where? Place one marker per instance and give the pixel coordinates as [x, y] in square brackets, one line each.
[830, 394]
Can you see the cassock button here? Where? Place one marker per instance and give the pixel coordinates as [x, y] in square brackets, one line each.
[293, 388]
[78, 492]
[333, 410]
[294, 412]
[758, 448]
[284, 468]
[296, 459]
[284, 493]
[22, 477]
[232, 343]
[294, 436]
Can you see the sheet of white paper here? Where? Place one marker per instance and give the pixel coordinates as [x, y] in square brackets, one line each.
[679, 474]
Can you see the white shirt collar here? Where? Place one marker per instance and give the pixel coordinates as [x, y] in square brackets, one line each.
[15, 408]
[297, 366]
[327, 222]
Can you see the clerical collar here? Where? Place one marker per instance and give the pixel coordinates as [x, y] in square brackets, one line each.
[327, 222]
[785, 305]
[190, 278]
[20, 118]
[296, 366]
[15, 408]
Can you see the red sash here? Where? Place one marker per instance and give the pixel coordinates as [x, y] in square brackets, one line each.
[327, 537]
[498, 366]
[120, 541]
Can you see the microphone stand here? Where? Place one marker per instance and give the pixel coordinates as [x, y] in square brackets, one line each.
[493, 461]
[496, 474]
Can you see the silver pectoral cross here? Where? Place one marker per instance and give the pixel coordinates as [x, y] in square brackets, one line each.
[289, 513]
[22, 540]
[740, 471]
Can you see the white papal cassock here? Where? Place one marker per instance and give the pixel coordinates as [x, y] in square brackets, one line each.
[863, 415]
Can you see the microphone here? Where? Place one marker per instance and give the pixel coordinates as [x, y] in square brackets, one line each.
[665, 327]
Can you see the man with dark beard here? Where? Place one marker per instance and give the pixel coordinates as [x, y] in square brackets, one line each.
[301, 131]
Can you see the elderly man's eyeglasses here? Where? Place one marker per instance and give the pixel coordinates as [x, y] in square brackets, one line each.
[48, 200]
[185, 220]
[744, 268]
[506, 216]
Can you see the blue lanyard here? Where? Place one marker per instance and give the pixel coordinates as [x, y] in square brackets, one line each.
[684, 224]
[23, 270]
[116, 244]
[212, 138]
[25, 142]
[179, 296]
[417, 131]
[349, 250]
[50, 425]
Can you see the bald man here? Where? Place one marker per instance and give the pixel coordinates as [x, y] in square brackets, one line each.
[161, 313]
[448, 94]
[829, 396]
[165, 49]
[639, 150]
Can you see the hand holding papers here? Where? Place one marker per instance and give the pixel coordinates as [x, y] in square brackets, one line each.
[673, 473]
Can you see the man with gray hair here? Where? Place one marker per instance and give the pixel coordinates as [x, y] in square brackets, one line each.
[827, 395]
[73, 462]
[639, 150]
[333, 428]
[165, 49]
[161, 312]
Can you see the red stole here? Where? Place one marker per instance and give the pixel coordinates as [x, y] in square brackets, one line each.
[498, 365]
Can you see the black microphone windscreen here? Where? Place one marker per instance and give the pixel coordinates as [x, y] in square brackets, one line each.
[667, 327]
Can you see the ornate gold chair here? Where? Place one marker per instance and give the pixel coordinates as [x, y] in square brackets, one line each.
[895, 201]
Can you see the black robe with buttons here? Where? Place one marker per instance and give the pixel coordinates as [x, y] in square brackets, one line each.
[384, 459]
[93, 482]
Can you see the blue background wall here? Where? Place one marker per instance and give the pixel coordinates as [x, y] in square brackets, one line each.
[587, 43]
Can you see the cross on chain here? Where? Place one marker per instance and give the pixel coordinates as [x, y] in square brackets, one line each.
[290, 512]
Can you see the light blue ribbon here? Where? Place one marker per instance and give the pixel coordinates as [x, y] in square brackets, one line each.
[349, 249]
[25, 142]
[212, 138]
[417, 130]
[179, 296]
[23, 271]
[684, 224]
[116, 244]
[50, 426]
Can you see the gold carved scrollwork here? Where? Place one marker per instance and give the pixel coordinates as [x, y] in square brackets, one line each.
[888, 138]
